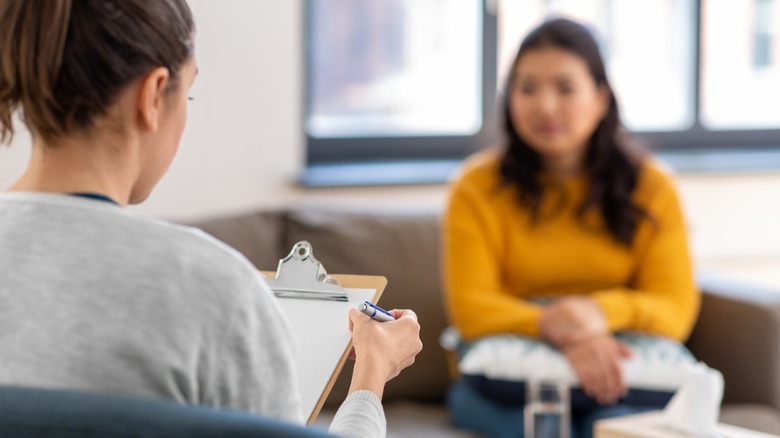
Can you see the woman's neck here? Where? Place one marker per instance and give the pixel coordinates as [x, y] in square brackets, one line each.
[564, 166]
[100, 166]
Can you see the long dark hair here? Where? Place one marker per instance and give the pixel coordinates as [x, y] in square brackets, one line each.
[612, 164]
[63, 62]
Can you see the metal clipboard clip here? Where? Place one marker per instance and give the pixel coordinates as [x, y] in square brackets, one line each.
[300, 275]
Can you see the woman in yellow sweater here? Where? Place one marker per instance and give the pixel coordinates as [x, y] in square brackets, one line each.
[565, 214]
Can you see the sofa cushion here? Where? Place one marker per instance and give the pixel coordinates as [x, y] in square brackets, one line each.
[257, 235]
[402, 246]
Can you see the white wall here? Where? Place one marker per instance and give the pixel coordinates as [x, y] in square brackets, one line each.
[243, 144]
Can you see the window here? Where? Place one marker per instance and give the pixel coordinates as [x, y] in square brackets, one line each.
[395, 68]
[395, 79]
[740, 65]
[398, 80]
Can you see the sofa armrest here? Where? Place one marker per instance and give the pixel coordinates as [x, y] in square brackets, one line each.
[738, 333]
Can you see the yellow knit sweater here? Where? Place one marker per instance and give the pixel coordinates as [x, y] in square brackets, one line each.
[495, 258]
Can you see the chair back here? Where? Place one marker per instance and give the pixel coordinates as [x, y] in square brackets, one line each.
[39, 413]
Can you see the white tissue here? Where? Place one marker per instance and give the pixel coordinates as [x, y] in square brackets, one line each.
[695, 407]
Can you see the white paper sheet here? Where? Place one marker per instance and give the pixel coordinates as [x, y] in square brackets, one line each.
[321, 330]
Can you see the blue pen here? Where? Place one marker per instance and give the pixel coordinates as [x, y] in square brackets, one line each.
[375, 312]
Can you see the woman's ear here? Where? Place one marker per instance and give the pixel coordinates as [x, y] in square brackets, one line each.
[151, 98]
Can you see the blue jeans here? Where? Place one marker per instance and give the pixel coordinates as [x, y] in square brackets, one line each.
[470, 410]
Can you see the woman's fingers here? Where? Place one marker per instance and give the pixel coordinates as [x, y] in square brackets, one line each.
[597, 364]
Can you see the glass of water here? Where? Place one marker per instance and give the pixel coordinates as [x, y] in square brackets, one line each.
[546, 409]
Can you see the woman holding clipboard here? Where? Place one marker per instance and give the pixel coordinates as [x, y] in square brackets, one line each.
[97, 298]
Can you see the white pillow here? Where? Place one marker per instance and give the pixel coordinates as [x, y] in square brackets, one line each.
[657, 363]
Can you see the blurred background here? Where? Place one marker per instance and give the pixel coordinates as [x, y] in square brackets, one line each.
[375, 102]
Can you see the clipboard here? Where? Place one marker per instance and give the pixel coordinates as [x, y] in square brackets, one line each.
[319, 321]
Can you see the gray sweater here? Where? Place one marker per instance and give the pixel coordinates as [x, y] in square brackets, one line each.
[94, 297]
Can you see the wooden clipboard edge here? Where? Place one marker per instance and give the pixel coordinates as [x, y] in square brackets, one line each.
[376, 282]
[348, 281]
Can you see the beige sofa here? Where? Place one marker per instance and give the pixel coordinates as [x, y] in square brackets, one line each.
[738, 331]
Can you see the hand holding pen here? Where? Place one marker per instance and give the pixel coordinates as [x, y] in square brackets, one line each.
[382, 350]
[375, 312]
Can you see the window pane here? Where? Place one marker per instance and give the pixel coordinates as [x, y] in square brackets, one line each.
[394, 68]
[648, 46]
[740, 64]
